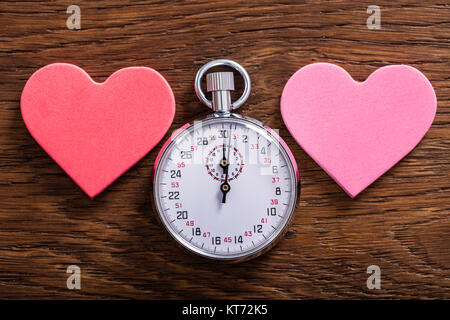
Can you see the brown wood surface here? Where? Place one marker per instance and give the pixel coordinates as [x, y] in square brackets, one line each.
[401, 222]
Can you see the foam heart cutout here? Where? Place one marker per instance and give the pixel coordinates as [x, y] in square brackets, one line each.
[97, 131]
[356, 131]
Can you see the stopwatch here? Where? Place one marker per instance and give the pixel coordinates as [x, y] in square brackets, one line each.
[225, 187]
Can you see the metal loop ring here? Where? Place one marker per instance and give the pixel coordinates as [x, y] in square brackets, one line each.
[222, 62]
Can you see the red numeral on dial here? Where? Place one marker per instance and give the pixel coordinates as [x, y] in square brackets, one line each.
[181, 164]
[190, 223]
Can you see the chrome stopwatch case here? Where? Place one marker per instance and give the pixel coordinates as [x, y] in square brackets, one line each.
[225, 187]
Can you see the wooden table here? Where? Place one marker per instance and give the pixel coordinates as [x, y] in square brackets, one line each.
[401, 223]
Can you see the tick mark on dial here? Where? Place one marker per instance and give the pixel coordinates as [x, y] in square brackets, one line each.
[180, 231]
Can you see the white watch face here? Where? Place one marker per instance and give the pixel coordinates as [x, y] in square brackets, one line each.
[225, 188]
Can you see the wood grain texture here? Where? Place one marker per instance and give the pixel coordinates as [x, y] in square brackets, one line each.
[401, 222]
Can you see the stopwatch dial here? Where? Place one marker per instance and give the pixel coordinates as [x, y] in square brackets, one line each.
[225, 188]
[220, 156]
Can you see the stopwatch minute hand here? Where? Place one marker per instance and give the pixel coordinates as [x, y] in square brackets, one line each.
[225, 186]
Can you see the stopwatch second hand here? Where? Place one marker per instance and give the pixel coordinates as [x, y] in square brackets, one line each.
[225, 164]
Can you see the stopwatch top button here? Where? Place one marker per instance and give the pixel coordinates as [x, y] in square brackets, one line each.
[219, 81]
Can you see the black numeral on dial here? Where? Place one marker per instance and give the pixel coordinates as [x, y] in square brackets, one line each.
[182, 215]
[175, 174]
[272, 211]
[174, 195]
[257, 228]
[196, 232]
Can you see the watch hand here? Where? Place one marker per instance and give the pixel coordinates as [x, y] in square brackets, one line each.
[225, 164]
[224, 158]
[225, 187]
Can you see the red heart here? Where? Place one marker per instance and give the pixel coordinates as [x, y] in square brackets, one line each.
[97, 131]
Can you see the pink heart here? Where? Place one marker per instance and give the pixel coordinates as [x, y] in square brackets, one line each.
[96, 131]
[356, 131]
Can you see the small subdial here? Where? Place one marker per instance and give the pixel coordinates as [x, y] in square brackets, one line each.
[216, 157]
